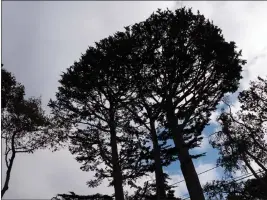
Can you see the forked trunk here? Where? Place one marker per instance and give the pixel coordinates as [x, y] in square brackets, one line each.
[187, 166]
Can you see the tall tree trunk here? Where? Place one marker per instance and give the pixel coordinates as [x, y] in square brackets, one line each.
[188, 169]
[117, 175]
[160, 188]
[9, 167]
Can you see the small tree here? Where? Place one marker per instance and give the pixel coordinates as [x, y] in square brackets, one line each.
[24, 125]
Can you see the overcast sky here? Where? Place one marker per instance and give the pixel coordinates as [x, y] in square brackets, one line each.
[42, 39]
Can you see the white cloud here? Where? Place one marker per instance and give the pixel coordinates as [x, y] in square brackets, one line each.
[181, 189]
[204, 145]
[213, 117]
[235, 107]
[45, 174]
[208, 176]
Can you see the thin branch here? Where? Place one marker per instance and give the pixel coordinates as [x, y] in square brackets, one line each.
[246, 126]
[6, 157]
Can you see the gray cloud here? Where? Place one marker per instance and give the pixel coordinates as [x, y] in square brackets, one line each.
[41, 39]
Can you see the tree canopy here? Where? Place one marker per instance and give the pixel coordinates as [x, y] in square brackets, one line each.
[184, 67]
[24, 124]
[242, 142]
[168, 72]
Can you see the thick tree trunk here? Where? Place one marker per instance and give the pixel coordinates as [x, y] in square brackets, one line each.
[160, 188]
[187, 166]
[117, 175]
[8, 173]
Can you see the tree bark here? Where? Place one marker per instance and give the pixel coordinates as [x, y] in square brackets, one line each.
[8, 173]
[160, 188]
[188, 169]
[117, 175]
[9, 167]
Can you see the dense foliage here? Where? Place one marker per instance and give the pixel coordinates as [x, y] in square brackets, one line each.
[24, 125]
[163, 76]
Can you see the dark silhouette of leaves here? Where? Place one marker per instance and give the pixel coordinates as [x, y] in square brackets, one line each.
[241, 142]
[169, 72]
[24, 125]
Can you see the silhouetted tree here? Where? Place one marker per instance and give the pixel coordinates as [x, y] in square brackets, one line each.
[255, 189]
[231, 190]
[90, 98]
[146, 114]
[241, 140]
[142, 193]
[186, 68]
[147, 192]
[175, 65]
[237, 147]
[73, 196]
[24, 125]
